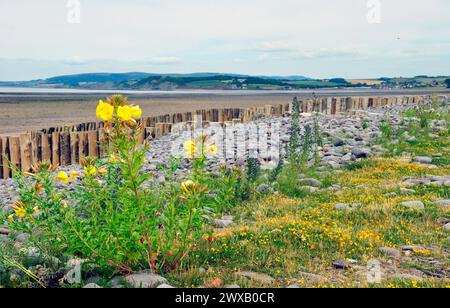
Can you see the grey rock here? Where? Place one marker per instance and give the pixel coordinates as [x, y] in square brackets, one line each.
[342, 207]
[22, 237]
[406, 191]
[92, 286]
[310, 182]
[443, 203]
[293, 286]
[232, 286]
[308, 189]
[413, 204]
[144, 279]
[361, 152]
[312, 278]
[392, 252]
[412, 247]
[447, 227]
[165, 286]
[342, 264]
[338, 142]
[423, 160]
[259, 277]
[116, 281]
[222, 223]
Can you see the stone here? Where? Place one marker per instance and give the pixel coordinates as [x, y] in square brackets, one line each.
[116, 281]
[165, 286]
[293, 286]
[361, 152]
[342, 264]
[308, 189]
[423, 160]
[310, 182]
[391, 252]
[447, 227]
[232, 286]
[145, 279]
[443, 203]
[222, 223]
[22, 237]
[413, 204]
[312, 278]
[406, 191]
[338, 142]
[342, 207]
[92, 286]
[259, 277]
[412, 247]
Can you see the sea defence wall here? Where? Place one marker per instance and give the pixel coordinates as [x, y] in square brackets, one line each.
[67, 145]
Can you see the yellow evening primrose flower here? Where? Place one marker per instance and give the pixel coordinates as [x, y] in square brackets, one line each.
[212, 149]
[36, 210]
[136, 112]
[74, 175]
[20, 211]
[63, 177]
[188, 186]
[112, 158]
[189, 148]
[91, 170]
[11, 218]
[124, 113]
[102, 171]
[104, 111]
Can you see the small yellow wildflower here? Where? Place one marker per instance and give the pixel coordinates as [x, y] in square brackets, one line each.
[124, 113]
[91, 170]
[104, 111]
[189, 148]
[74, 175]
[20, 210]
[11, 218]
[63, 177]
[112, 158]
[136, 112]
[36, 210]
[188, 186]
[212, 149]
[102, 171]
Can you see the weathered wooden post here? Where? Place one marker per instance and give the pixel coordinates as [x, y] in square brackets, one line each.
[15, 153]
[25, 152]
[74, 148]
[46, 142]
[93, 143]
[6, 158]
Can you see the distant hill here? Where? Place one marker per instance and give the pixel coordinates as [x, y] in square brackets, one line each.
[207, 80]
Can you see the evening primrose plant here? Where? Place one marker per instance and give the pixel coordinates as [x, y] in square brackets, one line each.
[110, 213]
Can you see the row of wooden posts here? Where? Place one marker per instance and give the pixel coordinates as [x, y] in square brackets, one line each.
[67, 145]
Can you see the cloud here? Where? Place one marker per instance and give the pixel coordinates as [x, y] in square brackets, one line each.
[76, 60]
[252, 36]
[164, 60]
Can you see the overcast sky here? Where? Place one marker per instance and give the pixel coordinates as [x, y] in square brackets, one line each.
[315, 38]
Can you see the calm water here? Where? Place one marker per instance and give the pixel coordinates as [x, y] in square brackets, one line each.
[359, 91]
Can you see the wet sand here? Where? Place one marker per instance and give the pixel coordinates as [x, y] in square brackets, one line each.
[21, 112]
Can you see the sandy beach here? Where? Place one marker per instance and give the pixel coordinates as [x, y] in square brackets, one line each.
[21, 112]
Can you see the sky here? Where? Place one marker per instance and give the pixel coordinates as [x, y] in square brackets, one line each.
[314, 38]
